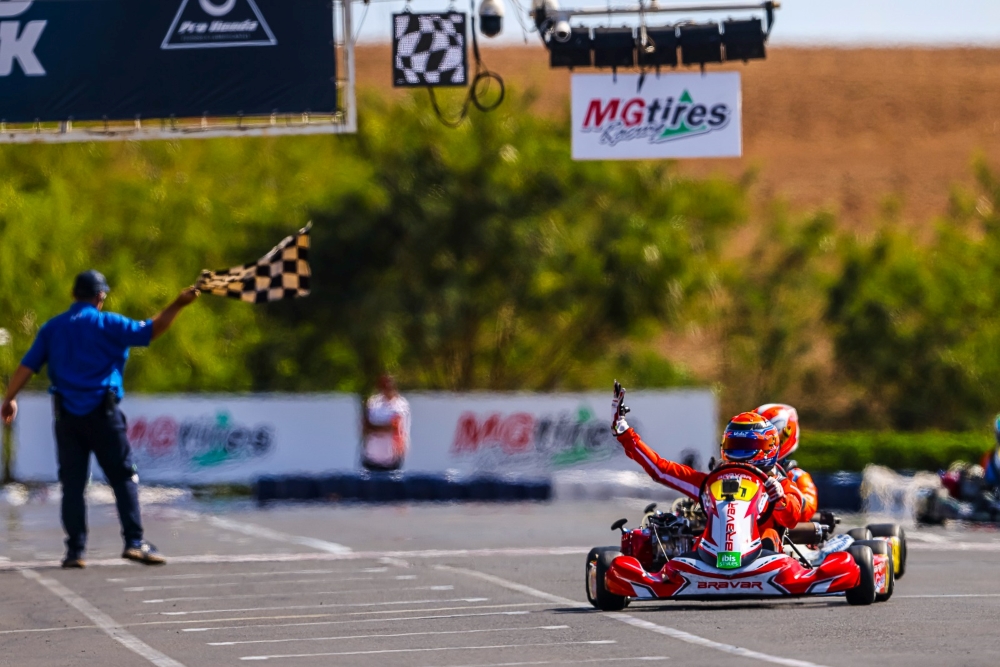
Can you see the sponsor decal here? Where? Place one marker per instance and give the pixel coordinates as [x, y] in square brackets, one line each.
[212, 24]
[728, 560]
[730, 526]
[200, 443]
[881, 571]
[18, 40]
[731, 585]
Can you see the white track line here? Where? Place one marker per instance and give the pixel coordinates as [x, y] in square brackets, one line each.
[282, 625]
[423, 650]
[254, 530]
[649, 658]
[952, 595]
[245, 596]
[388, 557]
[953, 546]
[386, 636]
[353, 621]
[244, 619]
[258, 573]
[103, 621]
[173, 587]
[634, 622]
[306, 606]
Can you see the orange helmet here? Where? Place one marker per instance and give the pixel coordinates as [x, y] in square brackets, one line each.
[786, 419]
[750, 438]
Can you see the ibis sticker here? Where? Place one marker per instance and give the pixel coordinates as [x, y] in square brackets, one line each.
[633, 117]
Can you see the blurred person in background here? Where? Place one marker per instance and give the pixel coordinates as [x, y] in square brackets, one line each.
[786, 419]
[86, 350]
[385, 429]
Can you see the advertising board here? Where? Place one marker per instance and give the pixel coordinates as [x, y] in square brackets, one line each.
[540, 434]
[656, 116]
[235, 439]
[211, 439]
[142, 59]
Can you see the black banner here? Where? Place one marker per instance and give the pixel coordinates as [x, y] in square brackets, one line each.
[126, 59]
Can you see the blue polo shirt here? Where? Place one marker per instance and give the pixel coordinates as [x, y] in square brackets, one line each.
[86, 351]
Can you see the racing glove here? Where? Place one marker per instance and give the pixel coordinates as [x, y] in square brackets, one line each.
[618, 423]
[775, 491]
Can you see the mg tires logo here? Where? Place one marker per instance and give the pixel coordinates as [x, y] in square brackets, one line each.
[214, 24]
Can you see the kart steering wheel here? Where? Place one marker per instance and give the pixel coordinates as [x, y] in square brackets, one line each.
[752, 470]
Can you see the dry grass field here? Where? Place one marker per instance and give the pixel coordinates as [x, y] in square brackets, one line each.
[842, 129]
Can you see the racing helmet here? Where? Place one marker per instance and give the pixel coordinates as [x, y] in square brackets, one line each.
[786, 419]
[751, 438]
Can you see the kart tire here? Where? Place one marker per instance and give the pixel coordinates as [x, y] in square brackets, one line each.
[598, 561]
[882, 547]
[864, 592]
[860, 533]
[892, 530]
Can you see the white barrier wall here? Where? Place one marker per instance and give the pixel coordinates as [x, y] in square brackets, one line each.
[211, 439]
[543, 433]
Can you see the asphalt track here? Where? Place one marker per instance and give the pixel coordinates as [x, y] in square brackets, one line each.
[443, 586]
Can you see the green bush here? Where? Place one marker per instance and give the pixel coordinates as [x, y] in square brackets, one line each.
[853, 450]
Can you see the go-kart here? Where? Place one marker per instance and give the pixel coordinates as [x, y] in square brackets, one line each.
[720, 555]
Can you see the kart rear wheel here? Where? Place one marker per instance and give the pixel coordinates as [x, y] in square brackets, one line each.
[864, 592]
[881, 547]
[891, 530]
[860, 533]
[598, 561]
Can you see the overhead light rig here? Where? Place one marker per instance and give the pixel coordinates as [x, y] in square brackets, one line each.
[685, 42]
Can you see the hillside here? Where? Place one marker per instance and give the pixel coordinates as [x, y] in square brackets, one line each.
[846, 130]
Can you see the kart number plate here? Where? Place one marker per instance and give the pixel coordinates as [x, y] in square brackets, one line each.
[746, 491]
[728, 560]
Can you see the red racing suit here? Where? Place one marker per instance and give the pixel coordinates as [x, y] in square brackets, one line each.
[688, 481]
[810, 498]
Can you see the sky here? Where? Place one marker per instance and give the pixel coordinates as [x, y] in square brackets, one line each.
[798, 22]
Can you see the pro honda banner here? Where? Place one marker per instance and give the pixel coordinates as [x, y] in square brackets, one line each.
[636, 116]
[129, 59]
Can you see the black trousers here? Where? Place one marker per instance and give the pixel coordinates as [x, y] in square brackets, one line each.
[102, 432]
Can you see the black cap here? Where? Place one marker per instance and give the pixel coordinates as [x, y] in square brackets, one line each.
[90, 284]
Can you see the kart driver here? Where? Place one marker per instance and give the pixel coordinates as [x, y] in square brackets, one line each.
[786, 419]
[749, 438]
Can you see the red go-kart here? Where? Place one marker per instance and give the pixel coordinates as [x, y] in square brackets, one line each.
[727, 561]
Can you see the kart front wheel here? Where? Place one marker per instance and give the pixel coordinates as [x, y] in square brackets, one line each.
[883, 548]
[598, 561]
[864, 592]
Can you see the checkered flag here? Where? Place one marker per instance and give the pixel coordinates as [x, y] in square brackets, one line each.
[282, 273]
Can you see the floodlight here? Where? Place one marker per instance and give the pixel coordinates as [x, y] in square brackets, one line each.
[700, 44]
[573, 52]
[664, 48]
[744, 40]
[614, 47]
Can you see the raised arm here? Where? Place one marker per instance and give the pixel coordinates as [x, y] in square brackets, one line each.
[165, 318]
[677, 476]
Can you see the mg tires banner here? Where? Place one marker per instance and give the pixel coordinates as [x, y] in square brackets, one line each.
[633, 116]
[212, 439]
[139, 59]
[540, 434]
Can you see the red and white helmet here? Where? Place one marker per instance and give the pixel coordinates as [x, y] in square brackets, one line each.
[786, 419]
